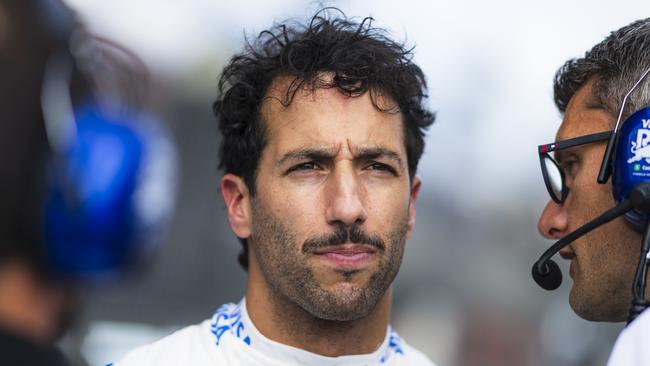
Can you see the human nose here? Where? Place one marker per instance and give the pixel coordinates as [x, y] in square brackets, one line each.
[345, 203]
[553, 222]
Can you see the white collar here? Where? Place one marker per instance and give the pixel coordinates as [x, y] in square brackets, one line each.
[234, 319]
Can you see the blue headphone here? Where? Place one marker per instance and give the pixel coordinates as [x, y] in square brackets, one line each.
[627, 158]
[111, 178]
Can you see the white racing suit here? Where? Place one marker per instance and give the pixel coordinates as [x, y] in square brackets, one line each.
[230, 338]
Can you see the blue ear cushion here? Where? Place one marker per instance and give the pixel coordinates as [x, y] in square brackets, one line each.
[631, 162]
[89, 215]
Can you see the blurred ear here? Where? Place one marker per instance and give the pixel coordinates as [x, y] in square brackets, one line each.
[237, 200]
[415, 190]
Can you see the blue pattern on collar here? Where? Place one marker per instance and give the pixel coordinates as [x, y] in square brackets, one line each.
[394, 346]
[229, 319]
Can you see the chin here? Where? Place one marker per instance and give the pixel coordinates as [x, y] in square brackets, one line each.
[342, 302]
[341, 312]
[595, 309]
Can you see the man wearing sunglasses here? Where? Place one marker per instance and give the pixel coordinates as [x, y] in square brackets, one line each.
[590, 92]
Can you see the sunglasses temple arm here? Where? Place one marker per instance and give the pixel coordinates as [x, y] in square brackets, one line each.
[606, 166]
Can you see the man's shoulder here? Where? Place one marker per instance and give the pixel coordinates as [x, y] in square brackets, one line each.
[197, 344]
[185, 346]
[631, 346]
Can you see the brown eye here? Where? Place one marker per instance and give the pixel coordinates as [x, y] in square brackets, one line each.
[381, 167]
[303, 167]
[569, 167]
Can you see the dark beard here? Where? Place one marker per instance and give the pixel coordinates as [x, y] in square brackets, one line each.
[283, 263]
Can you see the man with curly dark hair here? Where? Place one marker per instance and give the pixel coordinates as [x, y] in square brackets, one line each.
[322, 128]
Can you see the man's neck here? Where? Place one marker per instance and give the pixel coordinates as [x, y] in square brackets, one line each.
[285, 322]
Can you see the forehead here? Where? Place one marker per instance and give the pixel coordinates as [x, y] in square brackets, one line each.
[584, 115]
[325, 117]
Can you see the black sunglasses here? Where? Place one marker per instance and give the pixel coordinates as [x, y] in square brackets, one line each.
[551, 170]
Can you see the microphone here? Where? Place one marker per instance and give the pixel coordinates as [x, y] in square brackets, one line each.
[546, 272]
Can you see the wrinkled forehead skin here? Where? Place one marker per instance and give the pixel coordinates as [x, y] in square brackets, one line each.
[310, 104]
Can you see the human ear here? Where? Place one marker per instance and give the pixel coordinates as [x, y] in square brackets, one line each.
[415, 190]
[237, 199]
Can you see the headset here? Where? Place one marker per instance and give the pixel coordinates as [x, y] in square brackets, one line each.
[627, 162]
[111, 177]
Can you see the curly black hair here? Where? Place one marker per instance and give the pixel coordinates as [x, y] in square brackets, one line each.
[361, 59]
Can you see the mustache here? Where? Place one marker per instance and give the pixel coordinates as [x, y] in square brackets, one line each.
[341, 235]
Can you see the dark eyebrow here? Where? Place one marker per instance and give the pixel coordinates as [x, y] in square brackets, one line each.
[371, 153]
[307, 154]
[321, 154]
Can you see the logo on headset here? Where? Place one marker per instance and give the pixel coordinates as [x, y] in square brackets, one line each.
[641, 147]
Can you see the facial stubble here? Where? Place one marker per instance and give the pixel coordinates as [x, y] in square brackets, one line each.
[284, 263]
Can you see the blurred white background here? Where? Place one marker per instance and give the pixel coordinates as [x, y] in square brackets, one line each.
[464, 295]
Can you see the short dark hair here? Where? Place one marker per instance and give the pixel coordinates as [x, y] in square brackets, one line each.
[615, 64]
[361, 59]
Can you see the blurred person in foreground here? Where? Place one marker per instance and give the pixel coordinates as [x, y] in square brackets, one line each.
[70, 175]
[590, 92]
[322, 128]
